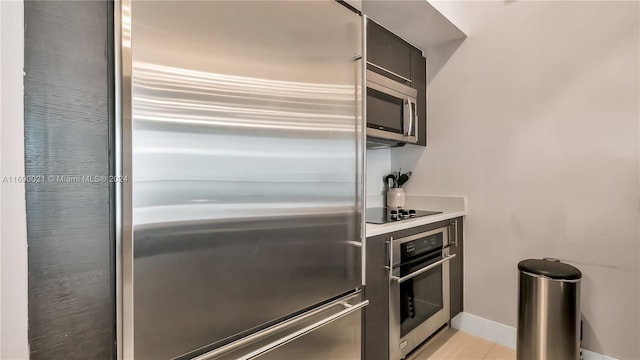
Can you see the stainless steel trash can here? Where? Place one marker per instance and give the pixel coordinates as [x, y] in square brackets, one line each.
[548, 311]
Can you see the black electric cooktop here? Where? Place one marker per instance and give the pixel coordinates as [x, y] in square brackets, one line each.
[386, 215]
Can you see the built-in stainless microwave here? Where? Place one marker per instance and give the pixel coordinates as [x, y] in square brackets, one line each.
[392, 117]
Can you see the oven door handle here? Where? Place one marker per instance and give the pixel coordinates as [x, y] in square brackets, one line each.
[423, 270]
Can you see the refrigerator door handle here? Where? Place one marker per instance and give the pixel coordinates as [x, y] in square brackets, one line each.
[231, 348]
[284, 340]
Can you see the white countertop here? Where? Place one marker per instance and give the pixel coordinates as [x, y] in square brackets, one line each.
[451, 207]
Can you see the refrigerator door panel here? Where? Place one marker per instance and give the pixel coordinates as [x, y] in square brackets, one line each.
[245, 168]
[334, 331]
[211, 282]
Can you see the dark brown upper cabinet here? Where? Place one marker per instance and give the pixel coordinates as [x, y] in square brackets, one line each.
[388, 51]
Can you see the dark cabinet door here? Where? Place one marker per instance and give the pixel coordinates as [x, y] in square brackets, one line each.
[456, 267]
[419, 82]
[376, 290]
[388, 51]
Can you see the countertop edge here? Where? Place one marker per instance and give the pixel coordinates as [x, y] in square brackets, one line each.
[374, 229]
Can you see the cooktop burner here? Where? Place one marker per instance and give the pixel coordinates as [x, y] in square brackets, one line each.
[386, 215]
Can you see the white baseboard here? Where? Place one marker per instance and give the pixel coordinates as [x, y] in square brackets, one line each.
[501, 334]
[486, 329]
[590, 355]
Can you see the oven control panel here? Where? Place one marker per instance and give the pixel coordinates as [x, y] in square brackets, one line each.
[421, 246]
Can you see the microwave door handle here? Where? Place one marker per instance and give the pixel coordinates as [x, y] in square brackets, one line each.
[411, 118]
[423, 270]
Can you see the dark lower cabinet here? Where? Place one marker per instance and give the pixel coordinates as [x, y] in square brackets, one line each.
[456, 267]
[376, 314]
[419, 82]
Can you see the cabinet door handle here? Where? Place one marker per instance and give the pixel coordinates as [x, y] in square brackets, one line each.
[389, 72]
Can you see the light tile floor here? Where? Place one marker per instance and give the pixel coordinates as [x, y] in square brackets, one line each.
[450, 344]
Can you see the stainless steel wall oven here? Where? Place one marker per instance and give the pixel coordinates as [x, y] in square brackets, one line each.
[418, 289]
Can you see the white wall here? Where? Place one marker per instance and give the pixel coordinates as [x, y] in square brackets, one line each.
[535, 119]
[13, 229]
[378, 166]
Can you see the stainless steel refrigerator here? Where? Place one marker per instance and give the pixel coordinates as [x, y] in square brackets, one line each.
[240, 147]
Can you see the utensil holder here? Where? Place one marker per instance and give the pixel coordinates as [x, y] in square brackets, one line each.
[395, 198]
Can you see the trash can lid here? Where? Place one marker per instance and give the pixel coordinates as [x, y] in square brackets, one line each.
[551, 269]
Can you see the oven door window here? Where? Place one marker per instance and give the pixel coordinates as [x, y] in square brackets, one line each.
[420, 297]
[384, 112]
